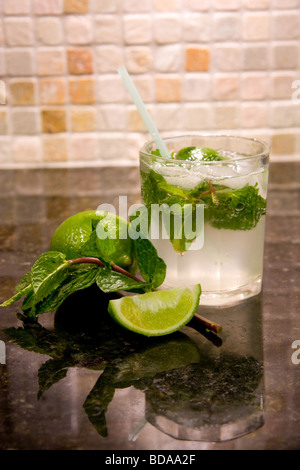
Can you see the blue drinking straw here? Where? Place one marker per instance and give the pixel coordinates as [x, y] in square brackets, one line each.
[135, 96]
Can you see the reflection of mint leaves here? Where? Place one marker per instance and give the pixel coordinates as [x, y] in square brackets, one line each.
[53, 278]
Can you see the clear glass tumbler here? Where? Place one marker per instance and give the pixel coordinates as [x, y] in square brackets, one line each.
[207, 206]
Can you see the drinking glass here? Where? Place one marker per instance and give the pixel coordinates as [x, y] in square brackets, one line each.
[207, 212]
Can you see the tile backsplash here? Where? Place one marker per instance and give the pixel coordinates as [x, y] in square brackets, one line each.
[225, 66]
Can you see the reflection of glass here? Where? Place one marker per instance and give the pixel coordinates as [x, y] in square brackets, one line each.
[196, 386]
[221, 397]
[225, 254]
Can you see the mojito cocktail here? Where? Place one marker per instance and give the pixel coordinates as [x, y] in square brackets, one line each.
[206, 206]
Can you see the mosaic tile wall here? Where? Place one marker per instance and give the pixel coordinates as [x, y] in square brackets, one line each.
[228, 66]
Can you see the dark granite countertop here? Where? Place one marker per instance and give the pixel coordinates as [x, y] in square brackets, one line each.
[73, 386]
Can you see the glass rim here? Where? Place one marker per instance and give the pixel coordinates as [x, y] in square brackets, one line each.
[145, 149]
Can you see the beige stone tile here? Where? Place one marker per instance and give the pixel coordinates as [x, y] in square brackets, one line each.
[254, 115]
[51, 61]
[135, 122]
[108, 58]
[16, 7]
[20, 62]
[226, 116]
[286, 25]
[53, 120]
[106, 6]
[110, 89]
[55, 148]
[198, 6]
[132, 6]
[284, 114]
[167, 117]
[168, 89]
[76, 6]
[256, 4]
[47, 7]
[255, 57]
[52, 90]
[22, 92]
[82, 90]
[3, 122]
[285, 4]
[80, 61]
[5, 149]
[113, 146]
[166, 5]
[49, 30]
[112, 117]
[256, 27]
[226, 27]
[78, 29]
[285, 56]
[168, 58]
[18, 31]
[225, 87]
[283, 144]
[167, 28]
[281, 84]
[226, 58]
[198, 117]
[137, 29]
[26, 149]
[254, 86]
[138, 59]
[84, 148]
[196, 87]
[108, 29]
[196, 27]
[226, 4]
[25, 122]
[83, 119]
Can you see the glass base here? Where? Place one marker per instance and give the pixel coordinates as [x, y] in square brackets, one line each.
[230, 297]
[227, 297]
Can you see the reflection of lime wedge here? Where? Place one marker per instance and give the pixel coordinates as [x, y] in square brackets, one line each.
[156, 313]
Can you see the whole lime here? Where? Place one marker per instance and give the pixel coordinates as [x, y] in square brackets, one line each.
[72, 234]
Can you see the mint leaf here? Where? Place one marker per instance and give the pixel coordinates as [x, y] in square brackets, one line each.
[47, 273]
[238, 209]
[111, 281]
[151, 266]
[198, 153]
[18, 296]
[78, 277]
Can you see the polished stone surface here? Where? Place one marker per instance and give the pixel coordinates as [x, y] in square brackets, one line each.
[79, 382]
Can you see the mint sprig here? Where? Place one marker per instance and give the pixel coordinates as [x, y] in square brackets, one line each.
[53, 278]
[224, 207]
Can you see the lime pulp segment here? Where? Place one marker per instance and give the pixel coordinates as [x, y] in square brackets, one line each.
[156, 313]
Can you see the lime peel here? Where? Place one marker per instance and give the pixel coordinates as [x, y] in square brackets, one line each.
[156, 313]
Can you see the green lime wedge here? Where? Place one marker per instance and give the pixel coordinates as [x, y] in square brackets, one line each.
[156, 313]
